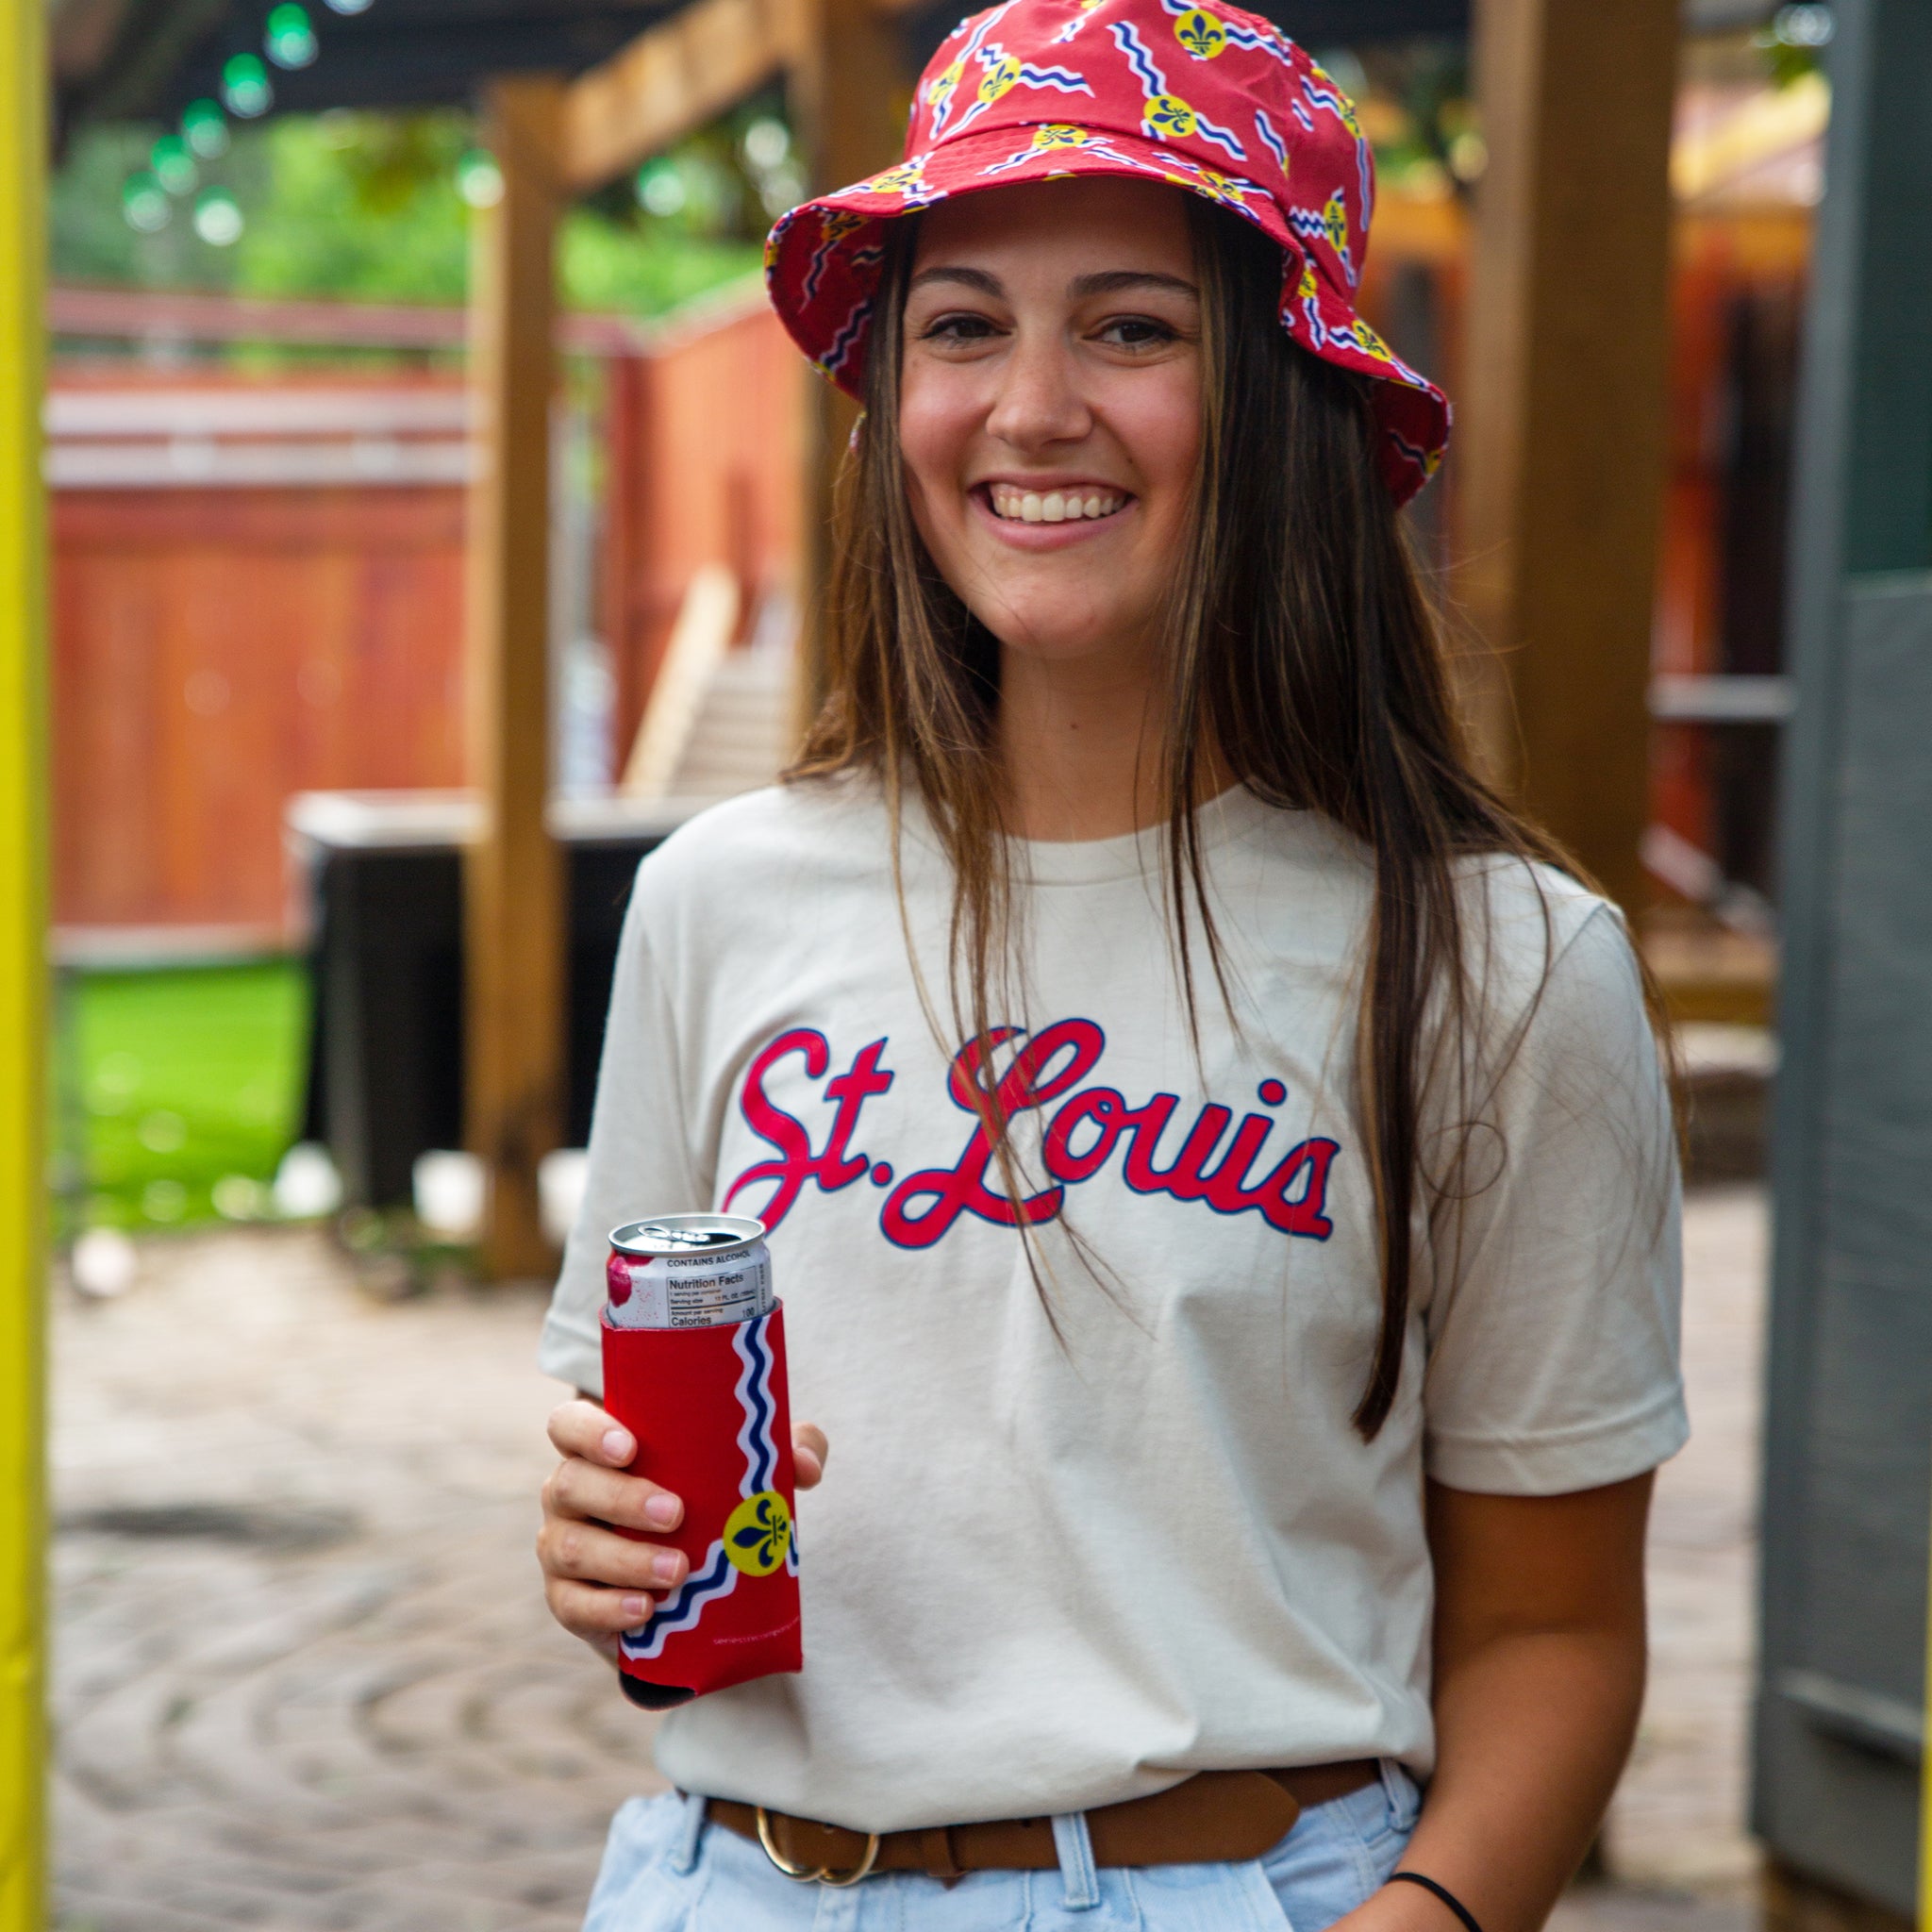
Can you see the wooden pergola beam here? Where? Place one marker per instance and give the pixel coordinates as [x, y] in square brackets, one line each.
[670, 80]
[1560, 468]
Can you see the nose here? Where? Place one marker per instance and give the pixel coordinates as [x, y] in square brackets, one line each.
[1038, 401]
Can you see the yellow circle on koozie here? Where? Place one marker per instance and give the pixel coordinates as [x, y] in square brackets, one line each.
[758, 1533]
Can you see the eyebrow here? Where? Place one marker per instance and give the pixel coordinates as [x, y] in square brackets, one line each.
[1112, 281]
[966, 277]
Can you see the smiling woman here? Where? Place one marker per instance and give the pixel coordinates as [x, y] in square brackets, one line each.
[1218, 1159]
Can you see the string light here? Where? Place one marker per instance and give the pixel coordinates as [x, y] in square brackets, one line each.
[660, 186]
[144, 204]
[767, 141]
[174, 166]
[288, 38]
[247, 93]
[479, 180]
[245, 87]
[218, 218]
[1805, 25]
[206, 129]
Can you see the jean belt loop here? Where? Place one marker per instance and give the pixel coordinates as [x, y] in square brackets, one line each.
[684, 1854]
[1074, 1846]
[1398, 1788]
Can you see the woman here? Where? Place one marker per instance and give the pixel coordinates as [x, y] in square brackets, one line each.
[1218, 1164]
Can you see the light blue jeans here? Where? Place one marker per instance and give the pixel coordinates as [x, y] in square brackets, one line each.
[665, 1869]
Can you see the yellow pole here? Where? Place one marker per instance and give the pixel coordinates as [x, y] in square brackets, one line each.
[22, 962]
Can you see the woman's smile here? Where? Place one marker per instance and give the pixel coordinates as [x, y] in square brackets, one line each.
[1050, 513]
[1045, 502]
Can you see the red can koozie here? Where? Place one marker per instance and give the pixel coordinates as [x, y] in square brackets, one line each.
[709, 1409]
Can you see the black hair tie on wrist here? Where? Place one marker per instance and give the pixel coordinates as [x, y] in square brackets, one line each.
[1442, 1893]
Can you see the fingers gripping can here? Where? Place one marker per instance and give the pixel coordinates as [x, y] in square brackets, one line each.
[695, 1368]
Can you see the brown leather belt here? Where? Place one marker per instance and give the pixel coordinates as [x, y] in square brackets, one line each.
[1211, 1817]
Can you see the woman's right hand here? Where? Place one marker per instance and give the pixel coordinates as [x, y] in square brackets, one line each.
[596, 1582]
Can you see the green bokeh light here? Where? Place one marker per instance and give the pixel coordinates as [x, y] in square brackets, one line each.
[172, 164]
[145, 203]
[479, 180]
[289, 38]
[218, 218]
[245, 87]
[204, 128]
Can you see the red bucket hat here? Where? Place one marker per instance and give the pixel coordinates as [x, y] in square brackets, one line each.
[1217, 101]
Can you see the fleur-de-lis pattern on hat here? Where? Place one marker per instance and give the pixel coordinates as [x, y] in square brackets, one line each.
[1212, 99]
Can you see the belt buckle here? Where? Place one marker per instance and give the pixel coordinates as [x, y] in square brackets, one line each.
[806, 1874]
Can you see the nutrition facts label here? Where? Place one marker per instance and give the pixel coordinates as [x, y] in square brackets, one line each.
[690, 1292]
[697, 1300]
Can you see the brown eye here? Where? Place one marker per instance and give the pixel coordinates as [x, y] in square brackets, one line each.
[1136, 332]
[958, 328]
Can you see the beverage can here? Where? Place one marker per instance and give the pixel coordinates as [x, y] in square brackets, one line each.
[688, 1270]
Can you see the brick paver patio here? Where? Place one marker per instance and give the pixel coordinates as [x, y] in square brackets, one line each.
[305, 1679]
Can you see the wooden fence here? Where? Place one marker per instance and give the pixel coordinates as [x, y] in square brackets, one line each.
[257, 590]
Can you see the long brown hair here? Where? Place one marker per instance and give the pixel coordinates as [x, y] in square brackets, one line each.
[1302, 648]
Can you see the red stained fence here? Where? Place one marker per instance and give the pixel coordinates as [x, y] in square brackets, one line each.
[257, 590]
[221, 642]
[706, 464]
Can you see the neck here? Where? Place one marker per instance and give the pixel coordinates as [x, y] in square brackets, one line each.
[1083, 746]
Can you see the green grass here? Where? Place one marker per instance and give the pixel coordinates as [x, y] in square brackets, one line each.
[177, 1090]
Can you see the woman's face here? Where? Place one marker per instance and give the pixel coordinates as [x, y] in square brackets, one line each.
[1050, 407]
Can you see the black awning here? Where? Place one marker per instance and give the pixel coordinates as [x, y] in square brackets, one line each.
[396, 53]
[146, 59]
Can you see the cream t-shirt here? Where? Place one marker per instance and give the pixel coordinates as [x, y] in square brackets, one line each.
[1046, 1573]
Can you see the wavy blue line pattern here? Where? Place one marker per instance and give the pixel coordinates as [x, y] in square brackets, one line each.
[681, 1610]
[755, 1397]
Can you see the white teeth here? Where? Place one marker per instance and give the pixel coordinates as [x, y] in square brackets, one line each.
[1053, 506]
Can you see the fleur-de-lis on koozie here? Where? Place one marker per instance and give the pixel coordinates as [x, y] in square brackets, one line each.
[758, 1533]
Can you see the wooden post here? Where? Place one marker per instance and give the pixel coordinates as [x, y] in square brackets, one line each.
[512, 887]
[850, 97]
[23, 973]
[1564, 396]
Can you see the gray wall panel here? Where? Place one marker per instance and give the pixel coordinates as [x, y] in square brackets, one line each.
[1848, 1435]
[1838, 1784]
[1843, 1811]
[1869, 1509]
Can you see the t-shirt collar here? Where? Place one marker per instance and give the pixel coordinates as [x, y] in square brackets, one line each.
[1222, 819]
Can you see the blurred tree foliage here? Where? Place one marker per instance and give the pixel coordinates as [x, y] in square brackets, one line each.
[1415, 103]
[367, 207]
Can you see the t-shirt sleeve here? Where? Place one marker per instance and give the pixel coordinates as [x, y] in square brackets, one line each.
[639, 1159]
[1553, 1329]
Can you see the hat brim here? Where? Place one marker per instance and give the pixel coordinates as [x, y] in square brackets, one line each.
[823, 258]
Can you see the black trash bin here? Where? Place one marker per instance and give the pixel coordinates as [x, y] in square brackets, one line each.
[380, 874]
